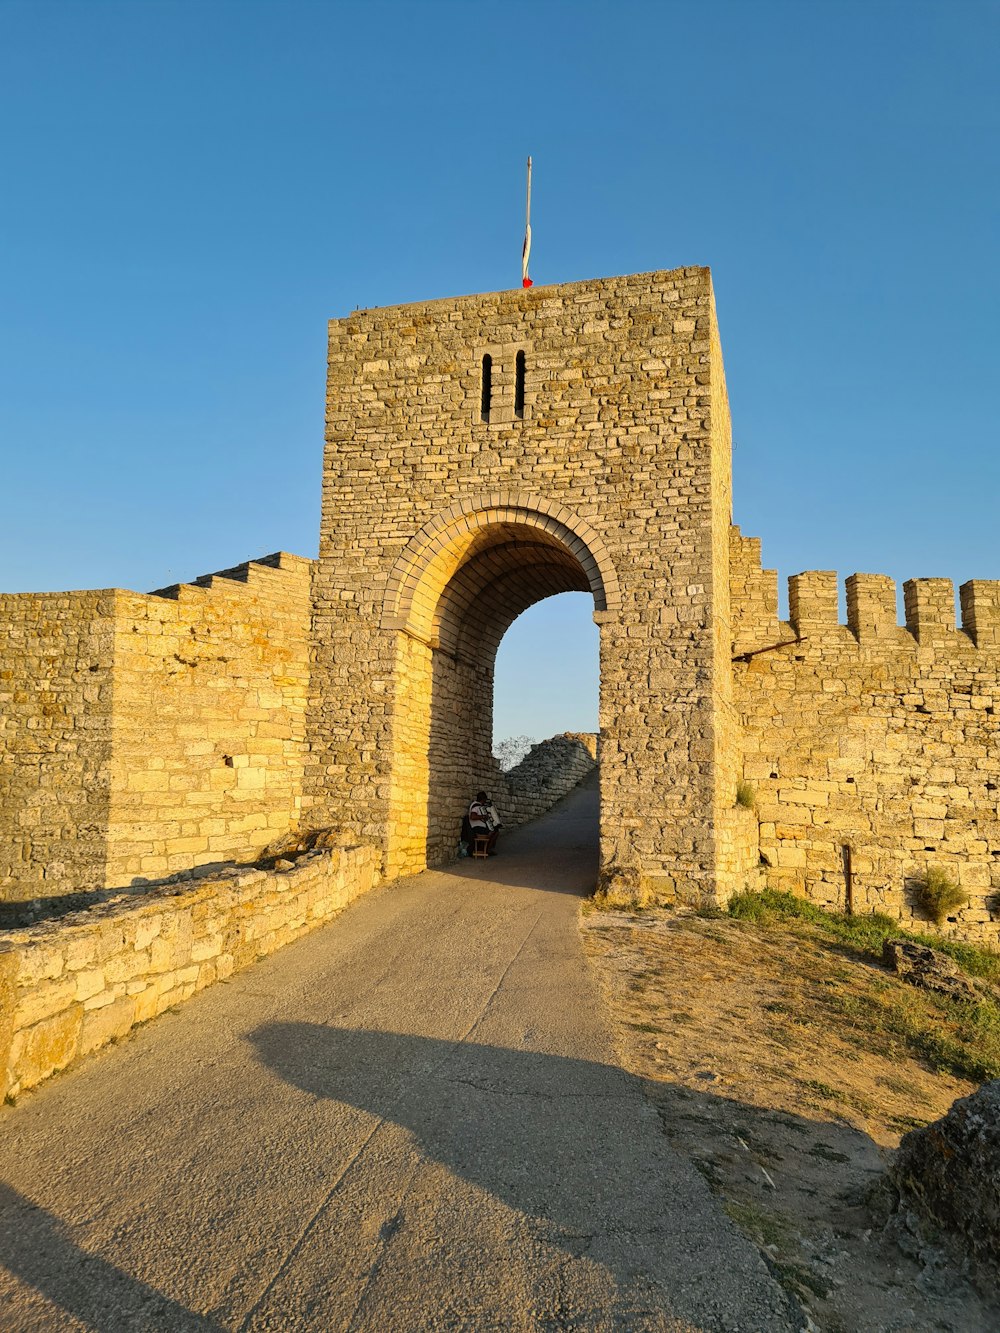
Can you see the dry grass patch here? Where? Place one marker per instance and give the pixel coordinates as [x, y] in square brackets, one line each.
[785, 1063]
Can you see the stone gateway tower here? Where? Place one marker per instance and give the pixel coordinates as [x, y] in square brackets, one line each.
[482, 454]
[487, 452]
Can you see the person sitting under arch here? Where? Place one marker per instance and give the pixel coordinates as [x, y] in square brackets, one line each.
[482, 819]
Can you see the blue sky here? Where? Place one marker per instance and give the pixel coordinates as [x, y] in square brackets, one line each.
[190, 190]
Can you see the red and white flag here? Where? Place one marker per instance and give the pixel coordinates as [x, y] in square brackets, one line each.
[526, 248]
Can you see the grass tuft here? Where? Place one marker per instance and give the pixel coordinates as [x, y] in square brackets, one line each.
[746, 794]
[619, 899]
[939, 895]
[867, 934]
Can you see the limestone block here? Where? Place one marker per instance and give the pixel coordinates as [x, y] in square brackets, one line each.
[36, 1002]
[80, 951]
[88, 982]
[42, 1050]
[40, 963]
[106, 1023]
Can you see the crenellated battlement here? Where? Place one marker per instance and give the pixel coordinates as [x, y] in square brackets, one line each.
[266, 572]
[872, 618]
[812, 602]
[980, 599]
[871, 746]
[871, 607]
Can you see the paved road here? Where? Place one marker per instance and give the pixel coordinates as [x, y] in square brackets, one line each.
[411, 1119]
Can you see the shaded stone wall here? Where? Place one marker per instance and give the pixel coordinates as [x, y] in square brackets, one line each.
[56, 652]
[547, 773]
[871, 736]
[440, 527]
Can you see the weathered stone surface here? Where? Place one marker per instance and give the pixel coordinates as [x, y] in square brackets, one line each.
[155, 951]
[949, 1174]
[9, 963]
[547, 772]
[147, 734]
[871, 737]
[39, 1051]
[928, 968]
[299, 841]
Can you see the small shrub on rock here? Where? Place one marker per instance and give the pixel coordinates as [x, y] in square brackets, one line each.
[620, 891]
[949, 1175]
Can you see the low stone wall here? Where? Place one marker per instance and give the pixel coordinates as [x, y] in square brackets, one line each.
[71, 986]
[547, 772]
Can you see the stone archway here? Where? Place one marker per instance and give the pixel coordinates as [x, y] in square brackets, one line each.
[454, 591]
[451, 503]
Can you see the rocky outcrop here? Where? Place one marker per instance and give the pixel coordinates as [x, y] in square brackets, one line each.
[948, 1174]
[928, 968]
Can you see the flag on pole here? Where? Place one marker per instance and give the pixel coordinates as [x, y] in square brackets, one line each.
[526, 248]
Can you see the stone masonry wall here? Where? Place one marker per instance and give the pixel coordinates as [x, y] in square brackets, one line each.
[210, 693]
[872, 737]
[548, 772]
[624, 433]
[71, 986]
[145, 734]
[56, 652]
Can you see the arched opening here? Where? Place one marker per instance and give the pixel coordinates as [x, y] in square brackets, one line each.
[460, 584]
[545, 675]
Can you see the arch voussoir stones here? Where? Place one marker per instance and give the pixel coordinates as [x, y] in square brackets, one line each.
[495, 511]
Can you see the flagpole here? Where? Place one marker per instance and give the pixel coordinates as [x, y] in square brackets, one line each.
[526, 248]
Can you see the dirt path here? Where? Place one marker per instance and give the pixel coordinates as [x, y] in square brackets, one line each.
[786, 1107]
[411, 1119]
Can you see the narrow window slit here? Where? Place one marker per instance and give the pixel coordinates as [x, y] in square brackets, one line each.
[519, 387]
[484, 410]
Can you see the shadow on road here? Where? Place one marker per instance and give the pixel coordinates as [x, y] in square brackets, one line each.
[517, 873]
[570, 1144]
[39, 1250]
[557, 852]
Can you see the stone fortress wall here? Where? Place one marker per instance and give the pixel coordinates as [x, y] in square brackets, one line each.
[547, 773]
[56, 654]
[145, 734]
[872, 748]
[142, 735]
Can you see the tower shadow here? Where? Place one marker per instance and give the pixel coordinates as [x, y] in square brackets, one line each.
[39, 1250]
[571, 1145]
